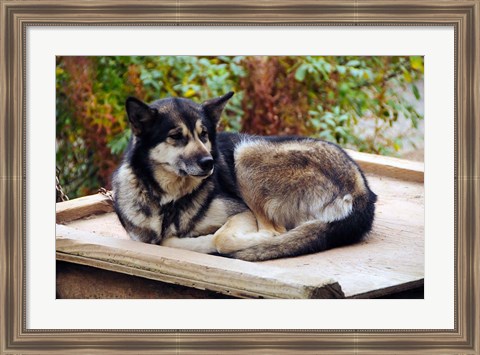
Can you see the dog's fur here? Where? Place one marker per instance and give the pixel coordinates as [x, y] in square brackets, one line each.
[255, 198]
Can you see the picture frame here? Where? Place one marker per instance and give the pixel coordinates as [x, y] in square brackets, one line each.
[17, 15]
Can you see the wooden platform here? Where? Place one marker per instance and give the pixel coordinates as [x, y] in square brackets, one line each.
[389, 261]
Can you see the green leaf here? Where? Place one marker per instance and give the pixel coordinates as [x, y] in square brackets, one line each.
[119, 143]
[341, 131]
[407, 75]
[330, 122]
[326, 135]
[417, 63]
[301, 72]
[415, 91]
[315, 123]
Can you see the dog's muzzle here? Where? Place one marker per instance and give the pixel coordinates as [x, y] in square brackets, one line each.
[201, 167]
[205, 167]
[206, 164]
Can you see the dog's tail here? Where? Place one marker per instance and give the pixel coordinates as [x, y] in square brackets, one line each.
[315, 236]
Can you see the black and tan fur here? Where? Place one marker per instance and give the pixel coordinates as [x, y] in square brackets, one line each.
[255, 198]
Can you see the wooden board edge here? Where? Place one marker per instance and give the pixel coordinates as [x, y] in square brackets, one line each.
[228, 276]
[83, 207]
[324, 292]
[389, 166]
[390, 290]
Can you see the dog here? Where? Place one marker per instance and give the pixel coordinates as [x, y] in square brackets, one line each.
[183, 185]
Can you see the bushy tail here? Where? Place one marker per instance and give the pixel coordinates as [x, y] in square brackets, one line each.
[316, 236]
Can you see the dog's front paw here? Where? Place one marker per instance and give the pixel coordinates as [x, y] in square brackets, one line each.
[226, 243]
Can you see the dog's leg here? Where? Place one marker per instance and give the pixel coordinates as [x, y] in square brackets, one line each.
[242, 231]
[202, 244]
[229, 237]
[267, 227]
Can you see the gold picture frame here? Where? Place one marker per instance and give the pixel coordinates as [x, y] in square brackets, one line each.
[17, 15]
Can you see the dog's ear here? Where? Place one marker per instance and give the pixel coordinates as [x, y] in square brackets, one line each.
[214, 107]
[139, 114]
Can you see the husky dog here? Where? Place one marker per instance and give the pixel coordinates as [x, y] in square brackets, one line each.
[181, 184]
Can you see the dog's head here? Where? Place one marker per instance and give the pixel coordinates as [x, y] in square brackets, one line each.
[178, 134]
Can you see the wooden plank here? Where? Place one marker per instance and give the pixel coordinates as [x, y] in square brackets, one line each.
[408, 287]
[401, 169]
[102, 225]
[82, 207]
[391, 260]
[229, 276]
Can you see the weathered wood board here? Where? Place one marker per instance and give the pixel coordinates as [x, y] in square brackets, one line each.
[233, 277]
[81, 207]
[390, 260]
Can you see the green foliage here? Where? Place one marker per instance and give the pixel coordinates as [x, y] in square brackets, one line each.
[196, 78]
[352, 101]
[348, 91]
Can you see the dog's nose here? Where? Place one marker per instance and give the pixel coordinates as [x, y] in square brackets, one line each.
[206, 163]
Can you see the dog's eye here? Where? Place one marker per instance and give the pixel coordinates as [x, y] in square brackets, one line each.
[176, 136]
[203, 134]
